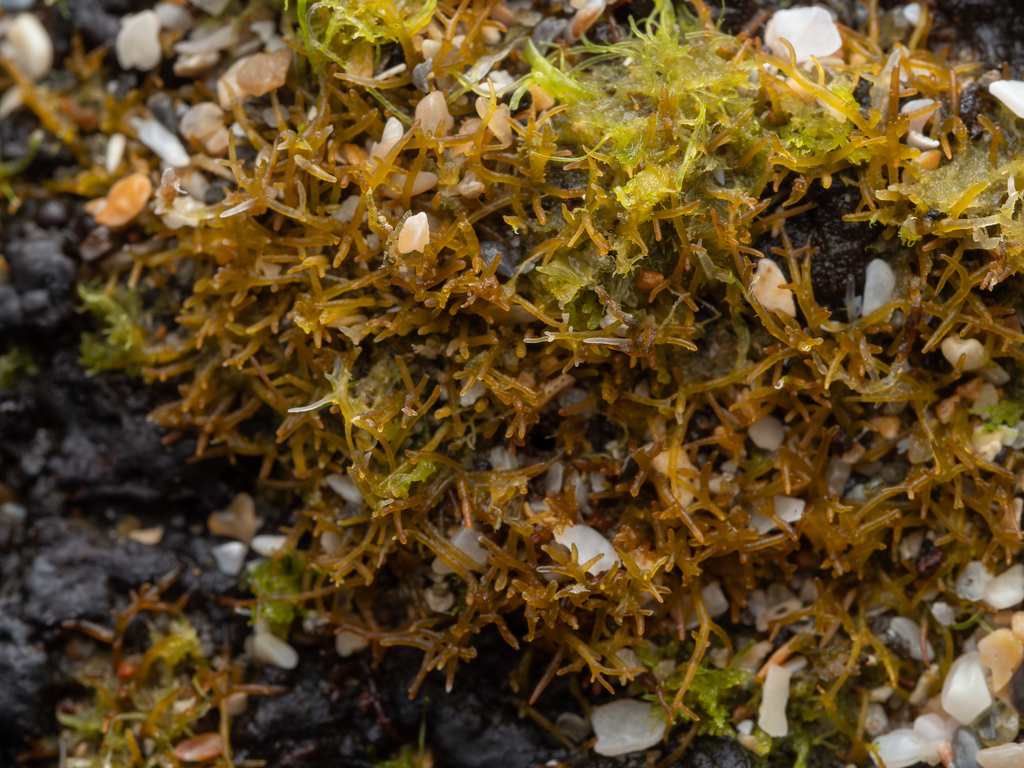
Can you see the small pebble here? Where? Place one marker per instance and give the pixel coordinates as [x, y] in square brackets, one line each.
[348, 643]
[897, 749]
[230, 557]
[909, 632]
[625, 726]
[433, 114]
[879, 283]
[195, 64]
[115, 152]
[238, 521]
[1007, 589]
[932, 727]
[810, 30]
[468, 541]
[199, 749]
[393, 131]
[573, 726]
[126, 199]
[138, 41]
[768, 288]
[238, 703]
[212, 7]
[965, 693]
[1010, 93]
[771, 717]
[264, 72]
[1003, 756]
[268, 544]
[162, 142]
[475, 392]
[973, 351]
[767, 433]
[203, 125]
[877, 721]
[32, 45]
[973, 581]
[415, 234]
[944, 613]
[589, 544]
[174, 17]
[270, 649]
[966, 746]
[788, 508]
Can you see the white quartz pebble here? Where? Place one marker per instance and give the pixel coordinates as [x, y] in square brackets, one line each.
[811, 31]
[944, 613]
[965, 693]
[115, 152]
[932, 727]
[973, 581]
[138, 41]
[768, 290]
[203, 124]
[1004, 756]
[415, 234]
[433, 114]
[164, 144]
[33, 49]
[897, 749]
[468, 541]
[1007, 589]
[344, 487]
[909, 631]
[348, 643]
[270, 649]
[589, 544]
[1011, 93]
[392, 133]
[230, 557]
[789, 508]
[767, 433]
[879, 283]
[268, 544]
[625, 726]
[173, 17]
[972, 350]
[912, 12]
[771, 718]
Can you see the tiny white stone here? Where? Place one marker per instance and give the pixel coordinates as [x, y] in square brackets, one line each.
[589, 544]
[212, 7]
[909, 631]
[1007, 589]
[877, 721]
[344, 487]
[714, 599]
[433, 114]
[972, 581]
[415, 234]
[330, 541]
[912, 12]
[811, 31]
[115, 152]
[965, 693]
[944, 613]
[204, 40]
[789, 508]
[474, 393]
[468, 541]
[1004, 756]
[625, 726]
[1011, 93]
[392, 133]
[918, 123]
[230, 557]
[932, 727]
[920, 141]
[268, 544]
[897, 749]
[348, 643]
[164, 144]
[12, 99]
[771, 718]
[768, 288]
[204, 125]
[174, 17]
[879, 283]
[138, 41]
[270, 649]
[767, 433]
[972, 350]
[32, 45]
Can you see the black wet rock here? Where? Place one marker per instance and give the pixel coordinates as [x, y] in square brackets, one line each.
[22, 677]
[966, 746]
[42, 276]
[491, 250]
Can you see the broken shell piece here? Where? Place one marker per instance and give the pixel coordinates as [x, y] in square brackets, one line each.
[1010, 93]
[392, 133]
[138, 41]
[973, 352]
[897, 749]
[269, 544]
[32, 45]
[768, 290]
[625, 726]
[811, 31]
[771, 718]
[589, 544]
[270, 649]
[433, 114]
[415, 234]
[230, 557]
[264, 72]
[203, 125]
[162, 142]
[879, 284]
[468, 541]
[238, 521]
[348, 643]
[126, 199]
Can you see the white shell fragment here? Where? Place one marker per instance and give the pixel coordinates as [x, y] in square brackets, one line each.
[972, 351]
[468, 541]
[768, 288]
[348, 643]
[345, 488]
[173, 17]
[811, 31]
[1010, 93]
[897, 749]
[965, 693]
[392, 133]
[164, 144]
[433, 114]
[973, 581]
[230, 557]
[32, 47]
[115, 152]
[767, 433]
[268, 544]
[771, 718]
[625, 726]
[879, 283]
[909, 632]
[415, 234]
[1007, 589]
[788, 508]
[138, 41]
[589, 544]
[270, 649]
